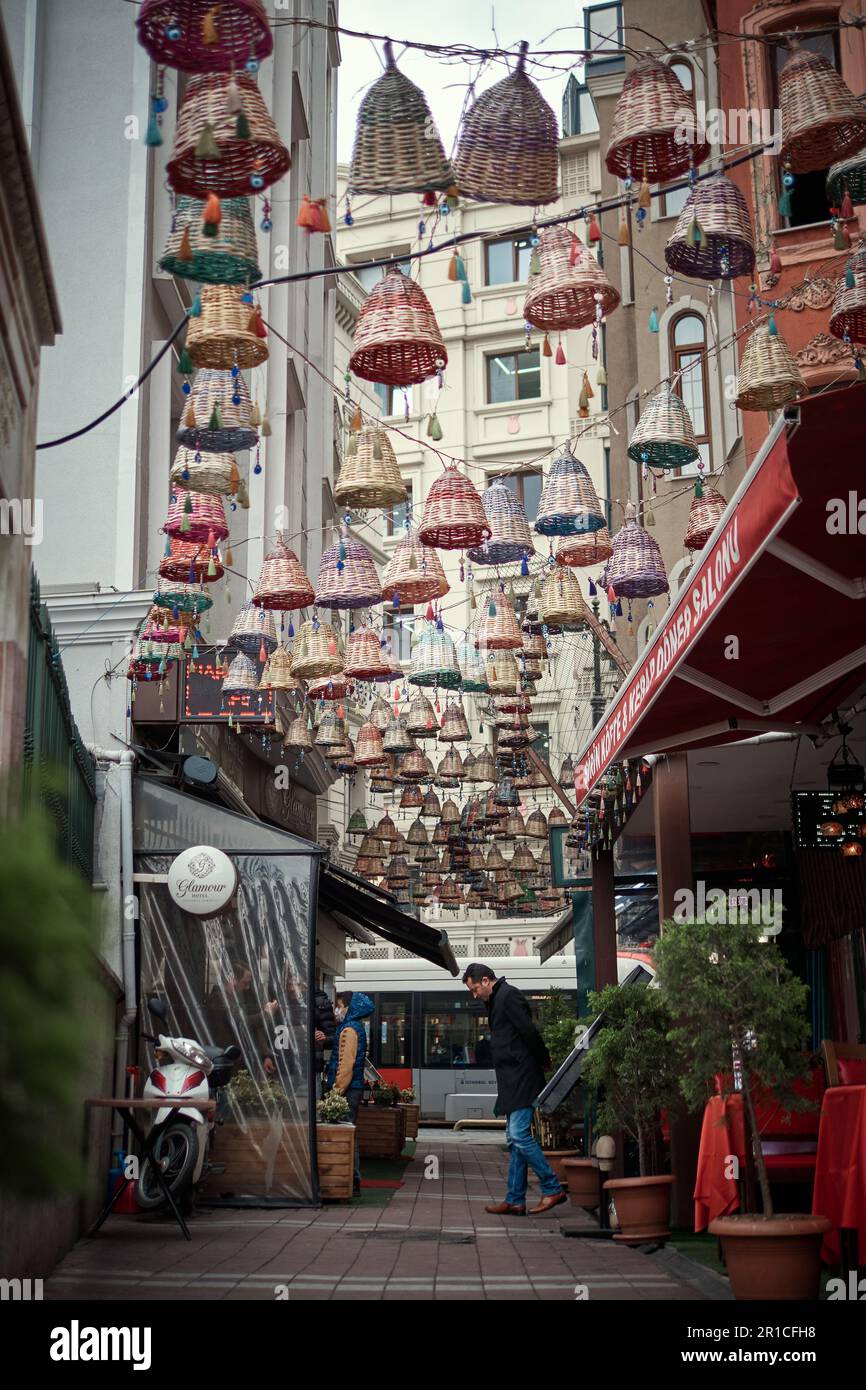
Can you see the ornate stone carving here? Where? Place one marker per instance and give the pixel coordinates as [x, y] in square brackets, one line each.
[815, 293]
[824, 351]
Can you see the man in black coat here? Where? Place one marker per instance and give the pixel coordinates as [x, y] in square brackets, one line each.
[520, 1060]
[325, 1028]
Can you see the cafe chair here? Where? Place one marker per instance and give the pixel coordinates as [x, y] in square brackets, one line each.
[844, 1063]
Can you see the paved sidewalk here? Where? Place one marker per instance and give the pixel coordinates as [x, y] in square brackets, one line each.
[433, 1241]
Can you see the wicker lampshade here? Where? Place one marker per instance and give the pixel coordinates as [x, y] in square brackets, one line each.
[223, 336]
[534, 647]
[653, 114]
[368, 750]
[370, 865]
[201, 36]
[508, 149]
[415, 766]
[417, 832]
[472, 667]
[455, 728]
[570, 287]
[569, 503]
[229, 258]
[370, 475]
[636, 568]
[502, 673]
[396, 738]
[253, 630]
[283, 584]
[217, 414]
[421, 721]
[397, 340]
[523, 860]
[201, 518]
[704, 514]
[325, 688]
[347, 576]
[582, 551]
[713, 238]
[204, 472]
[454, 517]
[848, 176]
[450, 813]
[331, 730]
[848, 315]
[485, 767]
[451, 767]
[510, 535]
[242, 678]
[414, 574]
[499, 629]
[411, 798]
[397, 146]
[536, 825]
[562, 603]
[277, 674]
[299, 735]
[664, 436]
[316, 652]
[191, 562]
[431, 808]
[364, 660]
[434, 660]
[822, 120]
[515, 703]
[185, 597]
[505, 793]
[380, 714]
[241, 166]
[769, 376]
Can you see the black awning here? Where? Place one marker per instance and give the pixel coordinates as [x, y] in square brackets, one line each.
[558, 938]
[345, 895]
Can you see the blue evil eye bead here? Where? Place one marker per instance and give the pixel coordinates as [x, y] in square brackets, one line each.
[233, 506]
[266, 224]
[236, 400]
[258, 468]
[236, 371]
[252, 65]
[256, 181]
[788, 180]
[160, 104]
[186, 388]
[247, 297]
[185, 474]
[173, 32]
[349, 220]
[535, 240]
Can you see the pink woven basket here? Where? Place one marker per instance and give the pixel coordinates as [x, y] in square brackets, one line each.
[283, 583]
[200, 518]
[653, 113]
[704, 515]
[364, 660]
[565, 294]
[347, 576]
[191, 562]
[582, 551]
[204, 36]
[454, 516]
[397, 340]
[414, 574]
[240, 166]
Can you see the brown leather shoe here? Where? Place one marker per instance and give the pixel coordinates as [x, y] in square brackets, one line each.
[505, 1209]
[547, 1202]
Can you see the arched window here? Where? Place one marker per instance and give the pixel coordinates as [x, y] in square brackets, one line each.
[684, 72]
[688, 350]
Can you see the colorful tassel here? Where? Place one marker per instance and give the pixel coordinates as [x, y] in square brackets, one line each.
[306, 217]
[255, 416]
[209, 33]
[771, 326]
[434, 429]
[622, 236]
[230, 559]
[212, 216]
[206, 145]
[266, 428]
[153, 134]
[841, 239]
[466, 294]
[546, 349]
[185, 363]
[775, 262]
[184, 251]
[560, 354]
[645, 197]
[594, 233]
[215, 422]
[850, 281]
[785, 201]
[195, 307]
[242, 127]
[583, 404]
[695, 236]
[234, 101]
[574, 250]
[847, 208]
[653, 320]
[535, 262]
[453, 273]
[601, 375]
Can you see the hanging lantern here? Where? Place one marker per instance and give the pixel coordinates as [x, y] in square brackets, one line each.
[430, 806]
[217, 415]
[421, 721]
[664, 436]
[191, 558]
[370, 753]
[229, 258]
[769, 376]
[370, 476]
[316, 652]
[329, 688]
[472, 668]
[571, 290]
[562, 603]
[847, 178]
[187, 598]
[202, 472]
[203, 36]
[822, 120]
[434, 661]
[636, 568]
[364, 660]
[510, 534]
[221, 336]
[278, 675]
[242, 678]
[499, 628]
[503, 676]
[210, 155]
[397, 341]
[569, 503]
[413, 575]
[454, 517]
[397, 146]
[283, 583]
[655, 134]
[582, 551]
[253, 629]
[195, 516]
[848, 315]
[713, 238]
[705, 513]
[508, 148]
[455, 728]
[331, 731]
[347, 576]
[396, 738]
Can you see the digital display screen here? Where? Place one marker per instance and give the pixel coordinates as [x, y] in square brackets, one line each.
[203, 699]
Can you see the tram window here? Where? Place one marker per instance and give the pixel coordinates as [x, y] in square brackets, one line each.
[391, 1048]
[454, 1032]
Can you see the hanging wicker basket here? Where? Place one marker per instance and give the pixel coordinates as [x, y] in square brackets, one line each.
[185, 597]
[207, 473]
[503, 677]
[222, 336]
[664, 436]
[569, 503]
[472, 668]
[217, 414]
[191, 562]
[316, 652]
[713, 238]
[414, 767]
[848, 315]
[277, 674]
[414, 574]
[848, 176]
[253, 629]
[636, 568]
[347, 576]
[299, 735]
[209, 156]
[499, 628]
[370, 476]
[582, 551]
[204, 36]
[368, 750]
[397, 341]
[397, 146]
[283, 583]
[242, 678]
[434, 660]
[196, 516]
[396, 738]
[421, 720]
[229, 258]
[566, 295]
[454, 518]
[364, 661]
[562, 603]
[455, 728]
[327, 688]
[655, 135]
[769, 376]
[822, 120]
[704, 515]
[508, 149]
[510, 535]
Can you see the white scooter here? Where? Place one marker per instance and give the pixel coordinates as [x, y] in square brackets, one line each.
[184, 1070]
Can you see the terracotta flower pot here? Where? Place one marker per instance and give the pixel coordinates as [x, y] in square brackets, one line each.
[643, 1208]
[557, 1157]
[771, 1257]
[581, 1176]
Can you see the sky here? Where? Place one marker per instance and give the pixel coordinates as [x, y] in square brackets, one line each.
[445, 22]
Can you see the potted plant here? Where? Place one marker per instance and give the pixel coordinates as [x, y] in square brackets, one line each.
[333, 1109]
[252, 1153]
[335, 1148]
[739, 1008]
[558, 1134]
[632, 1066]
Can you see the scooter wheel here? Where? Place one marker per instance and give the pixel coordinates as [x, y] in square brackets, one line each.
[176, 1151]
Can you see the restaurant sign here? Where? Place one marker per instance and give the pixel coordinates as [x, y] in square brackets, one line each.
[202, 880]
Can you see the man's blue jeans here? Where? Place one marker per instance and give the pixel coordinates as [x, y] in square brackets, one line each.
[526, 1153]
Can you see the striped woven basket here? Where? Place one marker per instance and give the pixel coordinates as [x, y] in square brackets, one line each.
[223, 335]
[186, 598]
[326, 688]
[713, 238]
[566, 295]
[434, 660]
[510, 536]
[201, 36]
[472, 668]
[454, 518]
[508, 149]
[704, 515]
[196, 516]
[569, 503]
[562, 603]
[229, 258]
[664, 436]
[242, 678]
[455, 728]
[769, 376]
[847, 176]
[217, 416]
[582, 551]
[503, 677]
[397, 341]
[206, 122]
[636, 568]
[848, 315]
[198, 472]
[414, 766]
[191, 562]
[298, 735]
[822, 120]
[414, 574]
[330, 730]
[316, 652]
[421, 720]
[450, 769]
[283, 583]
[396, 738]
[370, 475]
[498, 628]
[397, 146]
[364, 661]
[534, 648]
[347, 576]
[648, 126]
[253, 630]
[277, 674]
[380, 714]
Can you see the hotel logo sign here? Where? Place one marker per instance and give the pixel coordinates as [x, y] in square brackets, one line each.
[202, 880]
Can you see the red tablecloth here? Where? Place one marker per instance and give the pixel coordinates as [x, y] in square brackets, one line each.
[722, 1134]
[840, 1170]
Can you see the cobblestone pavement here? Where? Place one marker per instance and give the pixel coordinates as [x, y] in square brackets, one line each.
[433, 1241]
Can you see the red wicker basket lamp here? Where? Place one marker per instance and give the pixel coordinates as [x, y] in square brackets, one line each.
[209, 156]
[653, 114]
[283, 583]
[454, 517]
[196, 516]
[397, 340]
[205, 36]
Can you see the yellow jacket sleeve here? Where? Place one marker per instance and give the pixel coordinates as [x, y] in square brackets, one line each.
[346, 1062]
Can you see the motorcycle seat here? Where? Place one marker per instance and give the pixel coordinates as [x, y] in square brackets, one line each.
[217, 1055]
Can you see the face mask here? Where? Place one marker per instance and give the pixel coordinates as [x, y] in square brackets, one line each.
[339, 1014]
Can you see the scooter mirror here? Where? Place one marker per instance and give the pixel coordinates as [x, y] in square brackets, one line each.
[232, 1052]
[159, 1007]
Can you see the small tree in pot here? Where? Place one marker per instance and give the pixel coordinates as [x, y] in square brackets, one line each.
[736, 1001]
[560, 1132]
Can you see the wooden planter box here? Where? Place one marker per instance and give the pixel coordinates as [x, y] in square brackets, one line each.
[336, 1150]
[413, 1113]
[381, 1130]
[257, 1159]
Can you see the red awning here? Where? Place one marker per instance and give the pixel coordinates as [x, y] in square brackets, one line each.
[769, 632]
